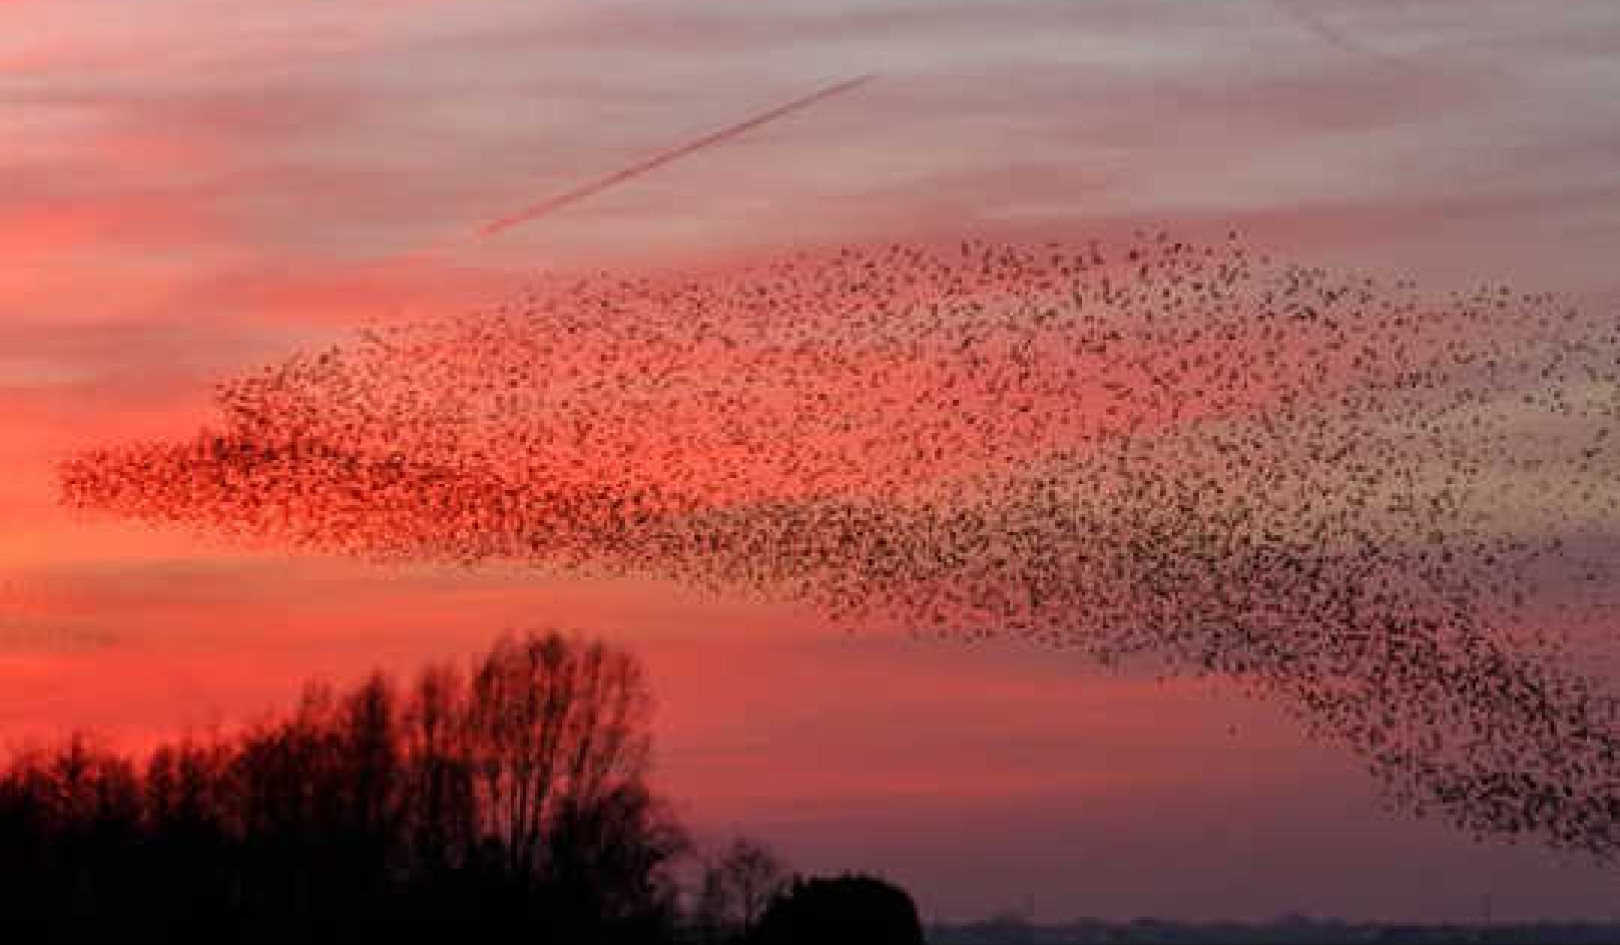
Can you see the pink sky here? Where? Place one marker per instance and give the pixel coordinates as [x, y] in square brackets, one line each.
[191, 187]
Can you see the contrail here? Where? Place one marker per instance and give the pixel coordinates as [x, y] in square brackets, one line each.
[1305, 17]
[658, 160]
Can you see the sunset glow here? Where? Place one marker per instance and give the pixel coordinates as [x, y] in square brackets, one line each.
[198, 194]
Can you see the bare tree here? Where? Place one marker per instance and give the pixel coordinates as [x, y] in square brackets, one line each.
[552, 720]
[441, 815]
[508, 795]
[738, 883]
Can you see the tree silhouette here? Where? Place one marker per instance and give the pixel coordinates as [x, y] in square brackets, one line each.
[840, 909]
[500, 800]
[506, 800]
[736, 886]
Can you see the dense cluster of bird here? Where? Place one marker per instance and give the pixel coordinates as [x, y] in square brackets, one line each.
[1384, 509]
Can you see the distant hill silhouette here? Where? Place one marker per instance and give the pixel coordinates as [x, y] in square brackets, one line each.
[1297, 930]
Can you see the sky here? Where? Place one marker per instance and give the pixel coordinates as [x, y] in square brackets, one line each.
[191, 188]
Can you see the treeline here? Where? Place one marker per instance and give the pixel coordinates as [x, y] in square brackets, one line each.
[501, 800]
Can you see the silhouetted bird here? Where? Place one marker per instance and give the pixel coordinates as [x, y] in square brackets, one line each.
[1341, 494]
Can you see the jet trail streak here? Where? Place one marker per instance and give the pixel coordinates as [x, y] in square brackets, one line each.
[658, 160]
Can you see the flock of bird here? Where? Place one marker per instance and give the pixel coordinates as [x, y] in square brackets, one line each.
[1383, 509]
